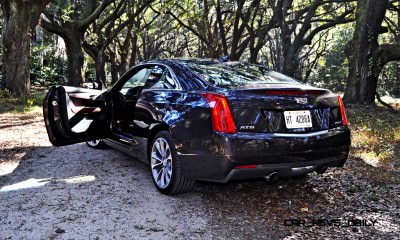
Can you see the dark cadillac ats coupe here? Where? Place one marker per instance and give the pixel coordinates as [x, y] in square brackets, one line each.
[192, 119]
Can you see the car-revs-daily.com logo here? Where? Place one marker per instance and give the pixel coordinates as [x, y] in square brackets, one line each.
[337, 222]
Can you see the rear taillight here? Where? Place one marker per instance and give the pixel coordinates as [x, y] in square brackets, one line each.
[222, 120]
[246, 166]
[342, 111]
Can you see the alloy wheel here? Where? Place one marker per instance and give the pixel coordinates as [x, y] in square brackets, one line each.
[93, 143]
[161, 163]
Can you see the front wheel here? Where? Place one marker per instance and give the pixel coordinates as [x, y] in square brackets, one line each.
[96, 143]
[165, 166]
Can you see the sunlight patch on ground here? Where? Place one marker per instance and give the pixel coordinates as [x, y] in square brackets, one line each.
[384, 223]
[34, 183]
[370, 158]
[8, 167]
[30, 183]
[80, 179]
[391, 100]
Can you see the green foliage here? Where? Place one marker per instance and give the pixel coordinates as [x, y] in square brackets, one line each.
[47, 64]
[5, 93]
[8, 103]
[64, 9]
[332, 70]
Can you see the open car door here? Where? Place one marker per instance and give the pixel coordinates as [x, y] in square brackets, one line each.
[75, 115]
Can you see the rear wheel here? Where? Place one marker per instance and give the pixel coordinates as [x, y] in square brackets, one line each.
[165, 166]
[98, 143]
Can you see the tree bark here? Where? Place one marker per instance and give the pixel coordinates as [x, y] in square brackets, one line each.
[366, 59]
[20, 17]
[75, 58]
[114, 69]
[100, 68]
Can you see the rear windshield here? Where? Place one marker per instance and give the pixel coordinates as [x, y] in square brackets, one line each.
[236, 75]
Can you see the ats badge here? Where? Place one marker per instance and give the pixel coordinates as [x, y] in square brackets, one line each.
[301, 100]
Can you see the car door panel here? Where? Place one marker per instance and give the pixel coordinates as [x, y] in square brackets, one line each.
[74, 115]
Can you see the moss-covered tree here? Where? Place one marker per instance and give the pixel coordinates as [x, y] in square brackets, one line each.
[366, 56]
[19, 19]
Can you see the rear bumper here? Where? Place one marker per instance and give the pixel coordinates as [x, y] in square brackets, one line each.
[287, 154]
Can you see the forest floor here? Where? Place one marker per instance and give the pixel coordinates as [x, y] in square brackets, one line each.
[75, 192]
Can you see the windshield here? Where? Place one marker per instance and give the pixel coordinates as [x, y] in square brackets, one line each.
[236, 74]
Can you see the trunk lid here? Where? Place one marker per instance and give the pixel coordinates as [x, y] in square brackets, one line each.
[263, 110]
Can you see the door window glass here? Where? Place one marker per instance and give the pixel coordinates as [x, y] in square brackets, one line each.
[152, 77]
[137, 80]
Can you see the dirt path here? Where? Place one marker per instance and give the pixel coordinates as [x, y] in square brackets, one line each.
[75, 192]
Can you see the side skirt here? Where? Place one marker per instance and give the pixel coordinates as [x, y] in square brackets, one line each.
[135, 147]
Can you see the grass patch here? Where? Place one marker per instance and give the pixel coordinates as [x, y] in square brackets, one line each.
[375, 135]
[10, 104]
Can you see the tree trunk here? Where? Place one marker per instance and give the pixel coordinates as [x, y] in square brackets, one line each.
[75, 59]
[114, 70]
[291, 65]
[20, 18]
[16, 45]
[364, 64]
[132, 58]
[100, 68]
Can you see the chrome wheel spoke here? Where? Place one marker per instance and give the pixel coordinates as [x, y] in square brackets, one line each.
[158, 146]
[156, 165]
[159, 173]
[162, 179]
[154, 156]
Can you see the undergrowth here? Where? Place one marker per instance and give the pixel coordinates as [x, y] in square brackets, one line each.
[10, 104]
[375, 135]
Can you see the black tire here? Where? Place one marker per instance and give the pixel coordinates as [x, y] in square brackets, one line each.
[98, 144]
[167, 164]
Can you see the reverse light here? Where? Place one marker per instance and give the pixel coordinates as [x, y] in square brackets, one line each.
[342, 111]
[222, 120]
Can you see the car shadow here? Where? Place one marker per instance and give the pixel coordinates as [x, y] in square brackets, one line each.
[53, 164]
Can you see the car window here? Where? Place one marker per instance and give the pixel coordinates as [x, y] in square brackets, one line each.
[137, 80]
[155, 78]
[235, 74]
[151, 77]
[159, 78]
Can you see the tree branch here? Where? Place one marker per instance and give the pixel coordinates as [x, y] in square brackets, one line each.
[84, 23]
[202, 38]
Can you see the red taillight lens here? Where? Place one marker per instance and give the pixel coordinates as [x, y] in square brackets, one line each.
[246, 166]
[222, 120]
[342, 111]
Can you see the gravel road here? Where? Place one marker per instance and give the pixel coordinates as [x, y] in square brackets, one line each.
[75, 192]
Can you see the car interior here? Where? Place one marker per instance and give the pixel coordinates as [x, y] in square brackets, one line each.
[126, 97]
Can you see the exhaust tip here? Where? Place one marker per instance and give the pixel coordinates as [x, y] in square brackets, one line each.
[272, 177]
[321, 170]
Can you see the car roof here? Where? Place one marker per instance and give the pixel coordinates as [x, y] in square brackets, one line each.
[188, 60]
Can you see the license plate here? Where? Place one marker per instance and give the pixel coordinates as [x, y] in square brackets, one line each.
[297, 119]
